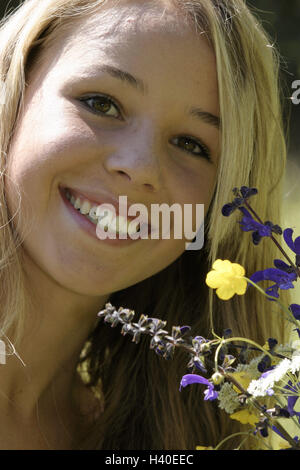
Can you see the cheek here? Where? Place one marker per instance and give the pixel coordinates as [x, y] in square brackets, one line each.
[38, 161]
[194, 187]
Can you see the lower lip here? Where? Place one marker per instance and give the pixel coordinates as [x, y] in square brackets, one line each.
[90, 228]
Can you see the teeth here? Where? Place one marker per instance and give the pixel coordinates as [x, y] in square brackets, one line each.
[103, 216]
[85, 207]
[77, 203]
[122, 224]
[133, 227]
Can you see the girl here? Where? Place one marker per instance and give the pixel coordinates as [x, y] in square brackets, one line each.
[161, 101]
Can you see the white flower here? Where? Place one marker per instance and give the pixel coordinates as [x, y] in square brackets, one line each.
[262, 386]
[295, 365]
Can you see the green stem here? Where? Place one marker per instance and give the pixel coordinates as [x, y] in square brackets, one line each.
[256, 404]
[282, 406]
[273, 239]
[286, 310]
[249, 434]
[277, 424]
[243, 340]
[242, 443]
[231, 436]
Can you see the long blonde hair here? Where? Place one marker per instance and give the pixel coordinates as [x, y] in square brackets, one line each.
[143, 407]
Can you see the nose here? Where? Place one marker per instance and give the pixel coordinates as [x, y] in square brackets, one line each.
[135, 159]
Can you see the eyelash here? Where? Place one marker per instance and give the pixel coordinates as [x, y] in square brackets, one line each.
[204, 151]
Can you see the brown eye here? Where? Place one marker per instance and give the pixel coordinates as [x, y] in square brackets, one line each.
[192, 146]
[101, 104]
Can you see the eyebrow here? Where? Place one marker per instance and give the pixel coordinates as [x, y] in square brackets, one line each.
[140, 86]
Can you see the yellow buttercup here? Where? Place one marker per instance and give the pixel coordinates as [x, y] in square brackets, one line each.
[227, 278]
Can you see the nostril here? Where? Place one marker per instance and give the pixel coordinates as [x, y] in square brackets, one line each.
[149, 186]
[123, 174]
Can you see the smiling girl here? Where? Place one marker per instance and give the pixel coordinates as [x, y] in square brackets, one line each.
[162, 102]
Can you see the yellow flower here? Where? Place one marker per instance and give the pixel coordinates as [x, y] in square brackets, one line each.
[227, 278]
[204, 448]
[281, 446]
[243, 378]
[245, 416]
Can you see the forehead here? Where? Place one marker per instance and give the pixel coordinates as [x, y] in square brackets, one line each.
[112, 23]
[121, 16]
[147, 38]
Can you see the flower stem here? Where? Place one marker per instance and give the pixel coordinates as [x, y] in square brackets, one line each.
[262, 410]
[249, 433]
[274, 240]
[287, 311]
[243, 340]
[282, 406]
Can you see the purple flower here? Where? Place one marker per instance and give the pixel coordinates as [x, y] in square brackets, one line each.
[246, 192]
[283, 280]
[209, 393]
[248, 224]
[292, 399]
[293, 245]
[279, 264]
[295, 309]
[229, 208]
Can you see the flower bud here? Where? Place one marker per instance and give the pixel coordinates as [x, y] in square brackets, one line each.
[217, 378]
[205, 347]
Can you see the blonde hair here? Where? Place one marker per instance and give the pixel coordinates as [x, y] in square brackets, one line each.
[143, 407]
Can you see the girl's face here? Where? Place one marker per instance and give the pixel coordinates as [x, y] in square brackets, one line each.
[111, 111]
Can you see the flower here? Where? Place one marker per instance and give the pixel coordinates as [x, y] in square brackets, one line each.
[209, 393]
[204, 448]
[245, 417]
[264, 385]
[293, 245]
[243, 378]
[283, 280]
[295, 309]
[292, 399]
[238, 379]
[248, 224]
[246, 192]
[227, 278]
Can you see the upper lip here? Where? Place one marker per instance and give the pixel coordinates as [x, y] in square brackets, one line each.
[95, 198]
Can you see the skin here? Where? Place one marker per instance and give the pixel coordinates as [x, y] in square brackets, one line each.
[70, 275]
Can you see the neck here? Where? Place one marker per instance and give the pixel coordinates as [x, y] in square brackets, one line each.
[57, 325]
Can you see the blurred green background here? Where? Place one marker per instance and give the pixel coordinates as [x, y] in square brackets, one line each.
[281, 18]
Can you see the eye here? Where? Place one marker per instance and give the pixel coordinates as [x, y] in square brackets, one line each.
[193, 146]
[102, 104]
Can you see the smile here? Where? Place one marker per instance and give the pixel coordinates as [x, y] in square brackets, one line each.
[98, 217]
[102, 216]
